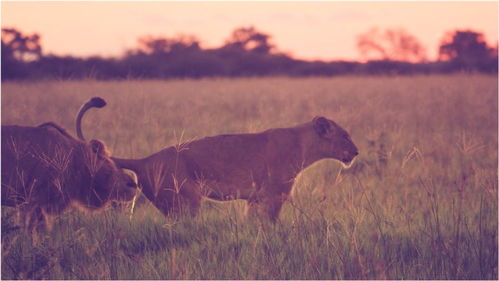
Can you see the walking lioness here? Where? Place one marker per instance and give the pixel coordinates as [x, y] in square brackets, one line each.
[259, 168]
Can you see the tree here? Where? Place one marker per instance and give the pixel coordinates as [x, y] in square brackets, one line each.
[162, 45]
[466, 47]
[251, 40]
[17, 51]
[20, 47]
[390, 44]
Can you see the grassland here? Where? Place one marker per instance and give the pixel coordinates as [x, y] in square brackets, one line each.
[420, 202]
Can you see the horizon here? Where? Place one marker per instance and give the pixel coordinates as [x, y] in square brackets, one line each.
[308, 31]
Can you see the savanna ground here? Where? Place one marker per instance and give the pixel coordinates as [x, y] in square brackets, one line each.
[419, 203]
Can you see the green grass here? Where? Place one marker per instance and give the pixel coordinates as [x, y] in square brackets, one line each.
[419, 203]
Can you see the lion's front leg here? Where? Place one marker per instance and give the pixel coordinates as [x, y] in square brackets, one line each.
[268, 207]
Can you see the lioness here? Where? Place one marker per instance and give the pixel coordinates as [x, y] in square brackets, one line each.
[45, 169]
[259, 168]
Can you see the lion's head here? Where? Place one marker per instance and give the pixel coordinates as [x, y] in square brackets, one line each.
[334, 141]
[106, 180]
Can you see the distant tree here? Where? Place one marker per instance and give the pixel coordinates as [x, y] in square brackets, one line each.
[162, 45]
[17, 50]
[20, 47]
[466, 47]
[250, 39]
[390, 44]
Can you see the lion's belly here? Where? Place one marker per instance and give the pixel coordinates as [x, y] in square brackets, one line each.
[228, 191]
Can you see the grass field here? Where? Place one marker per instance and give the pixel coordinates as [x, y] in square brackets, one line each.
[419, 203]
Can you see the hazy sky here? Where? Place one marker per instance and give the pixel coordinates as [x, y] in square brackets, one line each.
[309, 30]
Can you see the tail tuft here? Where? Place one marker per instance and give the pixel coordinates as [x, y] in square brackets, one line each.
[98, 102]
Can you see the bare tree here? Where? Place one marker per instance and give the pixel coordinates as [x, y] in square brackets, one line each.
[390, 44]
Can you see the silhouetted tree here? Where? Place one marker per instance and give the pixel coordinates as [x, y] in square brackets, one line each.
[17, 50]
[180, 56]
[250, 39]
[467, 49]
[21, 47]
[390, 44]
[162, 45]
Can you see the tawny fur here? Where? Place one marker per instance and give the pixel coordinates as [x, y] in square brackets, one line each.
[259, 168]
[44, 170]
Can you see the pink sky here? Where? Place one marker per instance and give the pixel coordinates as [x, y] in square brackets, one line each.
[308, 30]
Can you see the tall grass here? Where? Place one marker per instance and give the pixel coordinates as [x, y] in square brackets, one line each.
[419, 203]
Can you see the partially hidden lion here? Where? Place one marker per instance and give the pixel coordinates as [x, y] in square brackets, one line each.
[45, 170]
[259, 168]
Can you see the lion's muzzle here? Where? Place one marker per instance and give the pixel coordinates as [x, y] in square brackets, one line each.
[348, 158]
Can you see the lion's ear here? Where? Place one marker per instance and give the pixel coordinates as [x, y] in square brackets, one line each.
[322, 126]
[99, 148]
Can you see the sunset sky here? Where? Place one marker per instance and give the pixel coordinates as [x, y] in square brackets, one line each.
[307, 30]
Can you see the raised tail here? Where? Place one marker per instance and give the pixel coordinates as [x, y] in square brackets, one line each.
[93, 102]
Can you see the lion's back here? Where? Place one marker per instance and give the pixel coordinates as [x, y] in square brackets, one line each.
[31, 157]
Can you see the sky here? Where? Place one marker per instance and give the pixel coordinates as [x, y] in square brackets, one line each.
[305, 30]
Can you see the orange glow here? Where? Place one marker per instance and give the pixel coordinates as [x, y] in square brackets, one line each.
[309, 30]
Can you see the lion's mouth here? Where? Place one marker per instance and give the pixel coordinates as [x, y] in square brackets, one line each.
[347, 163]
[126, 194]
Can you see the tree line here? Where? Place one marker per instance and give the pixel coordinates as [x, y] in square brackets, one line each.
[247, 52]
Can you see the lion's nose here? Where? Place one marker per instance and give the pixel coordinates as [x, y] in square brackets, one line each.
[131, 184]
[350, 154]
